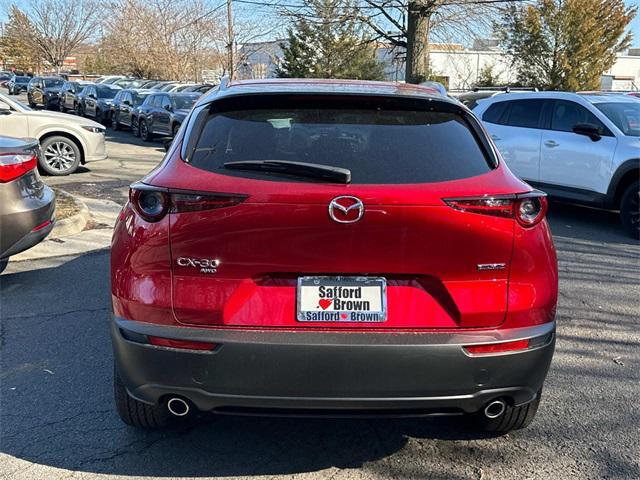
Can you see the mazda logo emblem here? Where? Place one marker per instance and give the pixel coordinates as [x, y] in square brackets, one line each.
[346, 209]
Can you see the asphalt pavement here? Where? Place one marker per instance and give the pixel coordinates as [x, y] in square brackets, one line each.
[58, 419]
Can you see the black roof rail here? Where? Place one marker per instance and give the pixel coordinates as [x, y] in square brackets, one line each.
[506, 89]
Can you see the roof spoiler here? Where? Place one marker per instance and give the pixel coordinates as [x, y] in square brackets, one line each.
[442, 90]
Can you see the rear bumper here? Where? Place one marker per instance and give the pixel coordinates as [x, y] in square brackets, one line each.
[330, 373]
[31, 239]
[25, 204]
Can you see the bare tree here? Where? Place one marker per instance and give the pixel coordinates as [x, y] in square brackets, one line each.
[54, 28]
[409, 26]
[173, 39]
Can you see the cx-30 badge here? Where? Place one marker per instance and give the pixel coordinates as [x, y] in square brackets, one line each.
[205, 265]
[346, 209]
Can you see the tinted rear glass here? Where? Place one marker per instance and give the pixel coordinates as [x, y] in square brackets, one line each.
[525, 113]
[185, 101]
[53, 82]
[496, 113]
[379, 146]
[106, 92]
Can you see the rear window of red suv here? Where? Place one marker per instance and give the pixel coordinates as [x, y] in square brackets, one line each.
[380, 142]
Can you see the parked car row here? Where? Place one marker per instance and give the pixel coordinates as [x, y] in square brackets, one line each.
[148, 107]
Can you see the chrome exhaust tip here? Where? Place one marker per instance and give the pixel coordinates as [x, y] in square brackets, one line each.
[178, 407]
[495, 409]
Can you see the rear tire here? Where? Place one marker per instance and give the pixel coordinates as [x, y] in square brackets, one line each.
[136, 413]
[630, 209]
[513, 418]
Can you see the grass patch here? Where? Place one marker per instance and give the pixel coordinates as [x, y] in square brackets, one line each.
[66, 206]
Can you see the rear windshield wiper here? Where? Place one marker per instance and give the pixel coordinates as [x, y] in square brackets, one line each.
[299, 169]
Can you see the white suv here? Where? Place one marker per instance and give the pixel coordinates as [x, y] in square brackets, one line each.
[582, 148]
[67, 141]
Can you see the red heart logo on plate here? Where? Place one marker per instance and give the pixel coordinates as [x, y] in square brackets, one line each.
[325, 303]
[343, 316]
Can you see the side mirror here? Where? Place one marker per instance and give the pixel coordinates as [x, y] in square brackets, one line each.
[168, 108]
[4, 109]
[127, 102]
[588, 130]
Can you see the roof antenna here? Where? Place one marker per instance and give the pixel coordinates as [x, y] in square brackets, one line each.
[224, 82]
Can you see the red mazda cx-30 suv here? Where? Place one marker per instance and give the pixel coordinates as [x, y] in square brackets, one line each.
[332, 248]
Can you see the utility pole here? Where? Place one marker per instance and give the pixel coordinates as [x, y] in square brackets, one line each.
[231, 40]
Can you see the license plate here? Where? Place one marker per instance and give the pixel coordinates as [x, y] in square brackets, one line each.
[342, 299]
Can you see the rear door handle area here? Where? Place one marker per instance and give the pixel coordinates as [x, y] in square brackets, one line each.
[495, 137]
[551, 143]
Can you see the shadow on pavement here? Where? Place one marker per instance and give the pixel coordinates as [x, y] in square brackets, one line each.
[584, 223]
[125, 137]
[57, 407]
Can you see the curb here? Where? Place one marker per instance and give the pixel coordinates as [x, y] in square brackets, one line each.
[87, 231]
[73, 224]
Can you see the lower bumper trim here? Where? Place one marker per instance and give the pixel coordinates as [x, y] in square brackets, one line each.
[320, 374]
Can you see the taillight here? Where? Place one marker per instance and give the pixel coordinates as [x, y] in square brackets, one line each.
[530, 208]
[14, 166]
[153, 203]
[527, 208]
[193, 201]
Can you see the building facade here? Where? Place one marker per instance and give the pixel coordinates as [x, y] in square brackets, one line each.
[459, 68]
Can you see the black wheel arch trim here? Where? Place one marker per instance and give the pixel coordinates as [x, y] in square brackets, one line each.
[613, 195]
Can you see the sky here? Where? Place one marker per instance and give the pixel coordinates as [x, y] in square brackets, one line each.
[635, 24]
[252, 10]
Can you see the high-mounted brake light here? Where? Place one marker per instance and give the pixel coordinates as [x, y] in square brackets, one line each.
[527, 208]
[14, 166]
[153, 203]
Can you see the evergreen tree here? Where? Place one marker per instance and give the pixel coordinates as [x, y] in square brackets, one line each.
[565, 44]
[330, 45]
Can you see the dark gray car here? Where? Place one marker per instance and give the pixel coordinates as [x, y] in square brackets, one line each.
[27, 205]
